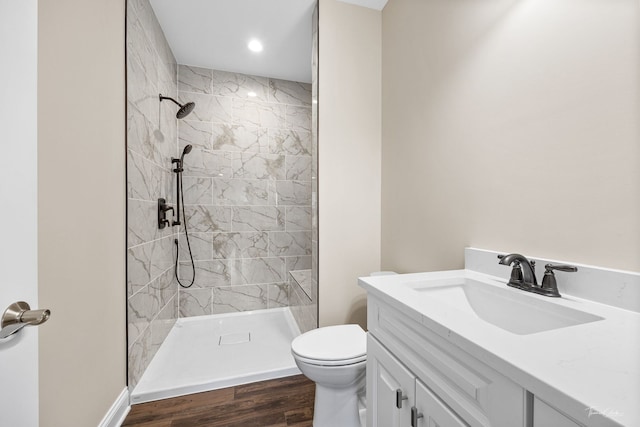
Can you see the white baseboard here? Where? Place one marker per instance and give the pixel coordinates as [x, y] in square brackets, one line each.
[118, 411]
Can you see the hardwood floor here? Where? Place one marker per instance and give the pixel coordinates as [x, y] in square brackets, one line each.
[284, 402]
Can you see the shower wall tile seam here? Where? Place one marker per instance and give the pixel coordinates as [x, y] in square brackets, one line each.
[268, 297]
[155, 317]
[186, 260]
[149, 282]
[266, 85]
[144, 158]
[188, 291]
[152, 292]
[278, 282]
[247, 125]
[245, 99]
[249, 100]
[146, 329]
[235, 119]
[202, 261]
[152, 163]
[148, 160]
[269, 149]
[169, 302]
[228, 206]
[151, 241]
[239, 178]
[253, 127]
[133, 199]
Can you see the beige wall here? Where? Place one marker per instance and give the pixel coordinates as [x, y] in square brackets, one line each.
[349, 157]
[511, 125]
[81, 198]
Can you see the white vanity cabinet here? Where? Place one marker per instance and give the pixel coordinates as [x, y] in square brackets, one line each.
[398, 398]
[466, 349]
[411, 368]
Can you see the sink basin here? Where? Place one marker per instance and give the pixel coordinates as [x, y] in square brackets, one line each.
[509, 309]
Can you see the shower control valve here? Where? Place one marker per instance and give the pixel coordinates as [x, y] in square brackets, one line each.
[162, 213]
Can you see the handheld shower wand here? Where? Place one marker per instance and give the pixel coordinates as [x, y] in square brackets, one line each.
[178, 170]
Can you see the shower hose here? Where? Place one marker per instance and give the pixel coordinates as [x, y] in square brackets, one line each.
[186, 235]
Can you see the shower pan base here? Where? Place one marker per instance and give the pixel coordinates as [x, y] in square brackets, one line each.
[222, 350]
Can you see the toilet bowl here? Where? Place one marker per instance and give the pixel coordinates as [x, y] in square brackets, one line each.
[335, 358]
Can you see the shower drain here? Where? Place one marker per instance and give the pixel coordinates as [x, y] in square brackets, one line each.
[237, 338]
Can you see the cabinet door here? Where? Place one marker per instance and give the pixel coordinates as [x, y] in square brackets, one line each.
[545, 416]
[434, 412]
[386, 378]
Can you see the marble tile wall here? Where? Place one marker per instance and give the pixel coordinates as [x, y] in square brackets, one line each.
[303, 305]
[151, 142]
[247, 188]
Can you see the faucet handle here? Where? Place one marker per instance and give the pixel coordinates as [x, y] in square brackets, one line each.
[516, 274]
[561, 267]
[549, 285]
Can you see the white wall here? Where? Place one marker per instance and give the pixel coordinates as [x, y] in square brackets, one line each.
[511, 125]
[81, 205]
[349, 158]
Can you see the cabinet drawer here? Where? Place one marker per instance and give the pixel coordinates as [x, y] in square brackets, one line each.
[545, 416]
[471, 389]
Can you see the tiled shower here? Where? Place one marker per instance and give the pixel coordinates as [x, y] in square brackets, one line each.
[248, 184]
[247, 187]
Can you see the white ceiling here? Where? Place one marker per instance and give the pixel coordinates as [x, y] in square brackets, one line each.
[214, 34]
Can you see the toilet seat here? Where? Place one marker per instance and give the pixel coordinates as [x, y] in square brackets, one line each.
[331, 346]
[321, 362]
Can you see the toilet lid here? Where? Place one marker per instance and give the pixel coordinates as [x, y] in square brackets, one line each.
[332, 343]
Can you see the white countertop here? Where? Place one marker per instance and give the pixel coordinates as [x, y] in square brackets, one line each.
[589, 371]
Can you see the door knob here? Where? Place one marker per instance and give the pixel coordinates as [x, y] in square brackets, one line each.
[18, 315]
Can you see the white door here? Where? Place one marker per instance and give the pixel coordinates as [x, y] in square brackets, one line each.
[18, 208]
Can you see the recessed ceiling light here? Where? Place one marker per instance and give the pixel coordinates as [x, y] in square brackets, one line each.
[255, 45]
[252, 94]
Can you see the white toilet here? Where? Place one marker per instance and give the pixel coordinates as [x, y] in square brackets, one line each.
[335, 358]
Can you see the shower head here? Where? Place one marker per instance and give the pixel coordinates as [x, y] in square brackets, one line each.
[184, 109]
[186, 150]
